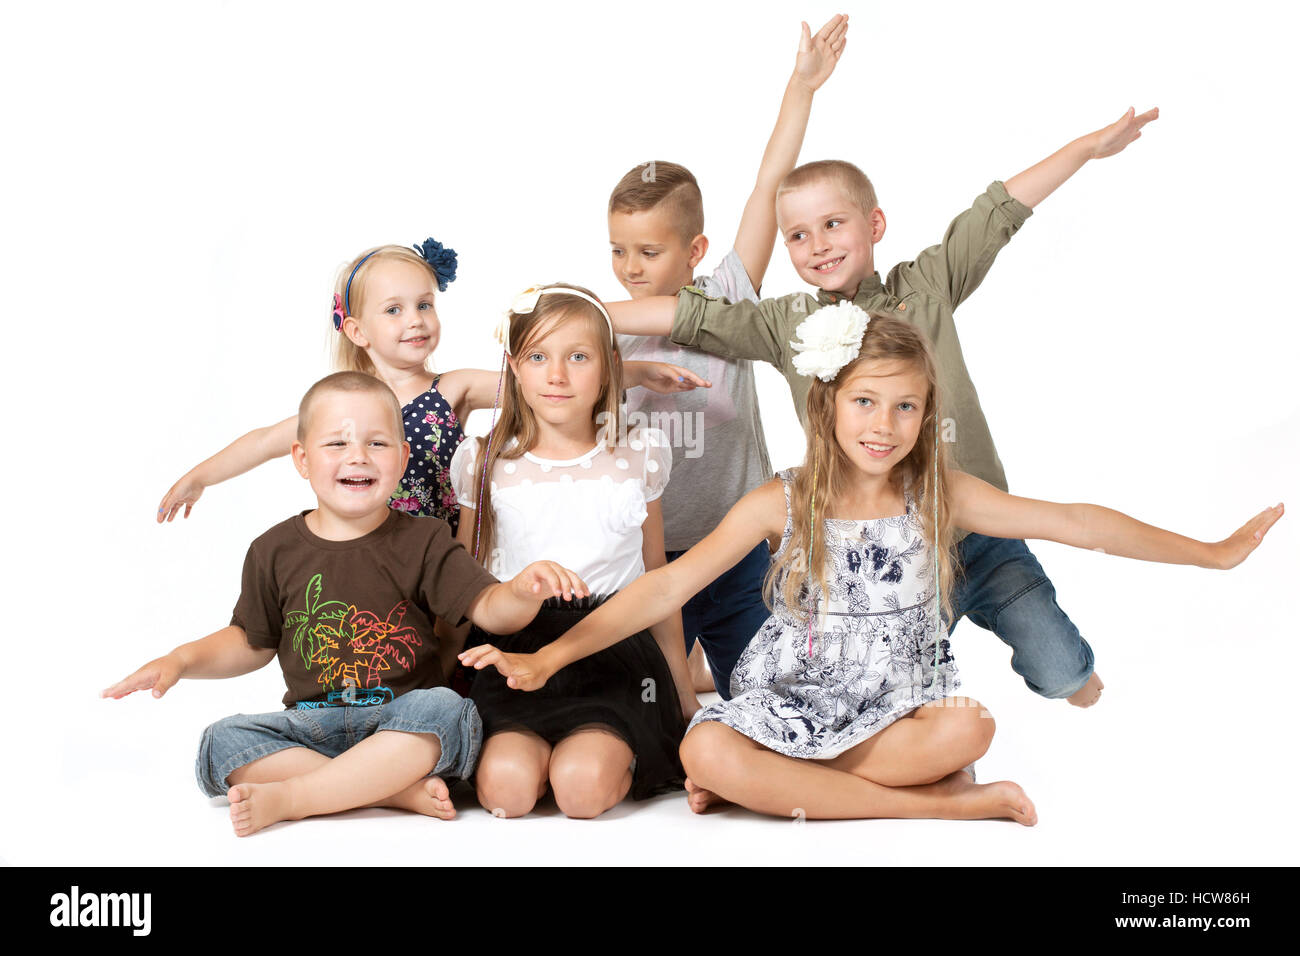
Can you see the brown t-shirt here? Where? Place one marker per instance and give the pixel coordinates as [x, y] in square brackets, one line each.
[353, 620]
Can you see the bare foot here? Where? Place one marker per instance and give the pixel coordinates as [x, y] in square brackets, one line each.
[429, 796]
[988, 801]
[701, 676]
[257, 805]
[700, 799]
[1089, 693]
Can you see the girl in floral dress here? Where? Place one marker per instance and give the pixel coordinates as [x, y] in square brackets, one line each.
[841, 705]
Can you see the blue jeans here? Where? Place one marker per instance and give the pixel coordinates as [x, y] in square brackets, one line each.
[726, 615]
[1004, 590]
[235, 741]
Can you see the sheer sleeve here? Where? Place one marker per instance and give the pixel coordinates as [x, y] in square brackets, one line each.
[658, 462]
[464, 471]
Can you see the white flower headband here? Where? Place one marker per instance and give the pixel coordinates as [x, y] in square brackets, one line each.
[526, 301]
[829, 339]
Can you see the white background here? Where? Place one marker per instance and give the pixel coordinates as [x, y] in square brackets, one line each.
[182, 182]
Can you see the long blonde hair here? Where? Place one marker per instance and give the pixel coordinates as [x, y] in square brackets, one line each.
[826, 474]
[517, 420]
[348, 356]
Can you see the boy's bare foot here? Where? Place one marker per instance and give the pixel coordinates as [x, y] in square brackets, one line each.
[1089, 693]
[988, 801]
[700, 799]
[257, 805]
[701, 676]
[429, 796]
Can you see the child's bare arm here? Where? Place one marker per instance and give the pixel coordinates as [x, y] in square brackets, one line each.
[1042, 179]
[507, 607]
[668, 633]
[979, 507]
[651, 597]
[652, 315]
[815, 62]
[225, 653]
[243, 454]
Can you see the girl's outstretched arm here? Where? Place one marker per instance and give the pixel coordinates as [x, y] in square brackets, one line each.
[243, 454]
[224, 653]
[979, 507]
[758, 516]
[668, 633]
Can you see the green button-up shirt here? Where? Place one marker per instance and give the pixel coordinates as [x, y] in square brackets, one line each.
[924, 291]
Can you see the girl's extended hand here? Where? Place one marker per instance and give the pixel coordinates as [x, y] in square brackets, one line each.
[1231, 551]
[159, 674]
[541, 578]
[665, 379]
[521, 671]
[184, 492]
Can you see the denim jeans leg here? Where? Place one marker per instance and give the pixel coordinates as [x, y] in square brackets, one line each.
[1003, 589]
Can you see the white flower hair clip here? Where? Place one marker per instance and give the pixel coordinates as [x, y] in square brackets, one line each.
[829, 339]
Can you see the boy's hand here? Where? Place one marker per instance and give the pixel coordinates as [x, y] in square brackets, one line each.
[1233, 550]
[185, 492]
[521, 671]
[542, 578]
[665, 379]
[818, 55]
[1113, 139]
[160, 674]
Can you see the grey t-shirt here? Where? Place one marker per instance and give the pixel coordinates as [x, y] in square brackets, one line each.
[717, 439]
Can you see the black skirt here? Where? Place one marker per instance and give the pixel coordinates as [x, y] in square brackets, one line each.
[626, 687]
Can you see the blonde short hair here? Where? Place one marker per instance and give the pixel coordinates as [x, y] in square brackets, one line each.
[347, 382]
[846, 177]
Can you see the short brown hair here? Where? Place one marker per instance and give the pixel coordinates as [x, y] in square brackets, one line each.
[850, 180]
[347, 382]
[660, 184]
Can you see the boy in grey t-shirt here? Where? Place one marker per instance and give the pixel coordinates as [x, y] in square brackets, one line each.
[656, 225]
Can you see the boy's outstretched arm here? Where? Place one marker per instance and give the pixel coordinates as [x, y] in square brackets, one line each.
[815, 62]
[225, 653]
[1040, 180]
[979, 507]
[243, 454]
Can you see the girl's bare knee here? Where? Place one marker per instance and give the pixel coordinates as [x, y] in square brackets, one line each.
[507, 788]
[704, 751]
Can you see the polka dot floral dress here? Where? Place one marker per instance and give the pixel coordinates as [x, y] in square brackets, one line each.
[434, 433]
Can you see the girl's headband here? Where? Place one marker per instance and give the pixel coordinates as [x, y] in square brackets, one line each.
[526, 301]
[441, 260]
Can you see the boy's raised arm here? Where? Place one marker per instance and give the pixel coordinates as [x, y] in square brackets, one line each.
[815, 62]
[1042, 179]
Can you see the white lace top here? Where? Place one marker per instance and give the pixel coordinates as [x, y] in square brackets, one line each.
[584, 513]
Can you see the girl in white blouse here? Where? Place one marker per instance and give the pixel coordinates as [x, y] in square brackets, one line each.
[560, 477]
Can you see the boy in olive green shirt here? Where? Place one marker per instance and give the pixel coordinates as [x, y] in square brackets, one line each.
[831, 222]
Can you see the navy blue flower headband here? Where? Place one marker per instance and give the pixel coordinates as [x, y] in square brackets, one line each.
[440, 259]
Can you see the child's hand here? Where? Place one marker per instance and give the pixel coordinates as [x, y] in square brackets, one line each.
[184, 492]
[543, 578]
[818, 55]
[160, 674]
[665, 379]
[521, 671]
[1231, 551]
[1113, 139]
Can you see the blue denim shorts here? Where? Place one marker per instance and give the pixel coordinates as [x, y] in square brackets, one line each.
[235, 741]
[726, 615]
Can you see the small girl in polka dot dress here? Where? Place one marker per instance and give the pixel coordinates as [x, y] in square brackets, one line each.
[386, 324]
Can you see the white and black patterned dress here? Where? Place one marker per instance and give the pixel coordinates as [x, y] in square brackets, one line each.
[873, 650]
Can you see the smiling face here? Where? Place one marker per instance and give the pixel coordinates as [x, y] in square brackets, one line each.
[648, 253]
[879, 410]
[560, 371]
[395, 319]
[353, 453]
[831, 241]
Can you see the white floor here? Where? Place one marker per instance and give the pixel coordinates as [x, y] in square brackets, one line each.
[1131, 781]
